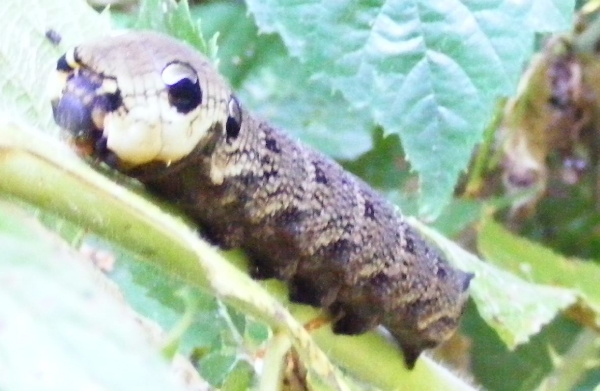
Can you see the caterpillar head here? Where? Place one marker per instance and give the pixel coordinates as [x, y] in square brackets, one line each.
[139, 98]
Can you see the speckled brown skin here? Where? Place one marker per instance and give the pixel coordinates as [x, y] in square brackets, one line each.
[300, 217]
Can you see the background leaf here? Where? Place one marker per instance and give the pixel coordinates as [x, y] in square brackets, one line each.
[498, 368]
[60, 329]
[173, 18]
[541, 265]
[428, 71]
[514, 308]
[278, 88]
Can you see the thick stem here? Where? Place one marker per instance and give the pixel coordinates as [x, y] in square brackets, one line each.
[274, 363]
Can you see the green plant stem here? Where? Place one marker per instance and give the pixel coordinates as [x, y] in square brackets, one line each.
[275, 362]
[475, 183]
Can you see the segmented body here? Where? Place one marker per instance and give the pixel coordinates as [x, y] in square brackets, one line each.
[299, 215]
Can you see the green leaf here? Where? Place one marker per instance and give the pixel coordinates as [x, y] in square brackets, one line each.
[276, 87]
[152, 293]
[240, 377]
[541, 265]
[315, 114]
[206, 330]
[381, 165]
[515, 308]
[174, 18]
[214, 367]
[551, 15]
[241, 49]
[429, 71]
[499, 369]
[60, 329]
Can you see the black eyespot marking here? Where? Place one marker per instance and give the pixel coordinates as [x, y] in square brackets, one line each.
[63, 65]
[69, 61]
[369, 210]
[234, 120]
[183, 86]
[320, 176]
[272, 145]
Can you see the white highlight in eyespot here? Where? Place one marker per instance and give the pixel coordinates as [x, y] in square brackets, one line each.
[70, 59]
[176, 72]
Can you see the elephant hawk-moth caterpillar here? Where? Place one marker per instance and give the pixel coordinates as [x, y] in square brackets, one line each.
[158, 111]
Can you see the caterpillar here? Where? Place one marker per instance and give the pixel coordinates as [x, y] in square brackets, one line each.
[158, 111]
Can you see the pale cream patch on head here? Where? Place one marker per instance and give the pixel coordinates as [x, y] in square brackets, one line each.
[147, 126]
[135, 137]
[153, 130]
[182, 132]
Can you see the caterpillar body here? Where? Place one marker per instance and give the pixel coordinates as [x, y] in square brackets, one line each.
[158, 111]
